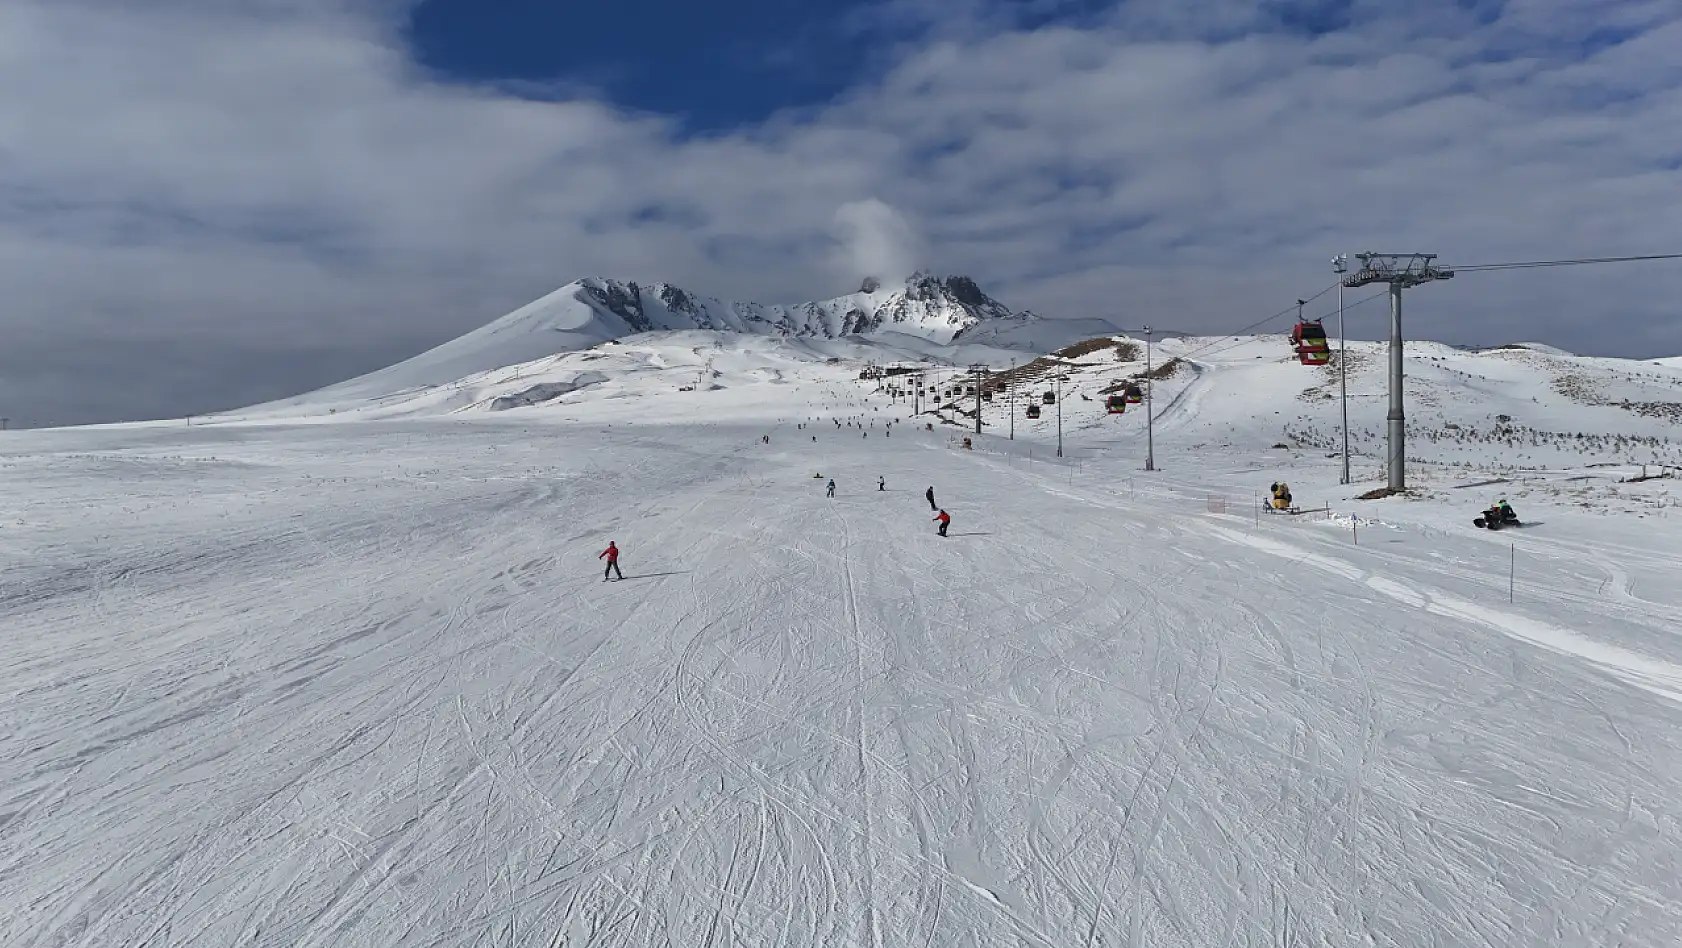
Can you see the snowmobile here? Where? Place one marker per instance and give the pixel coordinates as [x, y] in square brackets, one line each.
[1497, 517]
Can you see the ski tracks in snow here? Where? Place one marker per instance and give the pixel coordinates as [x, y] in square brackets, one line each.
[399, 706]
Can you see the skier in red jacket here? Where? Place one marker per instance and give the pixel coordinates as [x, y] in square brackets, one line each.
[945, 521]
[612, 555]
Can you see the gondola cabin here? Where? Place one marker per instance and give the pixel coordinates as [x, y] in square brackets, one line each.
[1050, 398]
[1033, 411]
[1309, 339]
[1116, 404]
[1135, 394]
[986, 395]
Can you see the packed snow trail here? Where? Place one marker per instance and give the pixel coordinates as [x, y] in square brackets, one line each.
[364, 685]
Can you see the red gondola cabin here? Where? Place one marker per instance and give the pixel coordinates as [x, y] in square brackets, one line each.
[1310, 342]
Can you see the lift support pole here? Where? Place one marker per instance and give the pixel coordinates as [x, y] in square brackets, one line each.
[1399, 270]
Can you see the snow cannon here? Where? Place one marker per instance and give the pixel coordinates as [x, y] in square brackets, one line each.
[1281, 499]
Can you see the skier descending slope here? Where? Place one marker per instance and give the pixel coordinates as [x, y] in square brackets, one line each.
[612, 556]
[930, 496]
[945, 521]
[832, 488]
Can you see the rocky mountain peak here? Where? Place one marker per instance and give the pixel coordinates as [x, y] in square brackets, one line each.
[959, 289]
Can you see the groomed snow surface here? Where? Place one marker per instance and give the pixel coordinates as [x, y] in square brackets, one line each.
[315, 682]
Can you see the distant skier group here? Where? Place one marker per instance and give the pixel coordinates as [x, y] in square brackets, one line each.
[941, 517]
[611, 554]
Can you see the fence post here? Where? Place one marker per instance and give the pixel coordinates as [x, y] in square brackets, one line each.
[1355, 528]
[1512, 568]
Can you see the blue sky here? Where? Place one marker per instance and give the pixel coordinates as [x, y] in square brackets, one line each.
[715, 66]
[264, 196]
[712, 67]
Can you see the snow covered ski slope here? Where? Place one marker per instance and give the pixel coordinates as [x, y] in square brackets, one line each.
[362, 685]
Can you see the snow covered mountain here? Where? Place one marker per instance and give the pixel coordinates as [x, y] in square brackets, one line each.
[587, 312]
[1538, 406]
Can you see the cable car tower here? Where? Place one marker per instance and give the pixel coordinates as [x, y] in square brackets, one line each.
[1401, 271]
[979, 373]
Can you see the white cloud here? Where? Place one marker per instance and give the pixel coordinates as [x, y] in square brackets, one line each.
[877, 241]
[251, 185]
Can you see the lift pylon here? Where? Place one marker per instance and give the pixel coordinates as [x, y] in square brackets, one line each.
[1400, 271]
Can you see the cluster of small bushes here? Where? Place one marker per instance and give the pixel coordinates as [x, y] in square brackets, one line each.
[1125, 350]
[1508, 438]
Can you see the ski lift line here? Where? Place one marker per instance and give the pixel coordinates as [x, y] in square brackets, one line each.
[1233, 345]
[1287, 311]
[1578, 262]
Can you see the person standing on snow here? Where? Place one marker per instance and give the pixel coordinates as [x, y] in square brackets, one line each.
[611, 554]
[930, 496]
[945, 521]
[832, 487]
[881, 483]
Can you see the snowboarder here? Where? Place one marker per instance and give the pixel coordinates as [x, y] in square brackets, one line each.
[832, 487]
[881, 483]
[945, 521]
[611, 554]
[930, 496]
